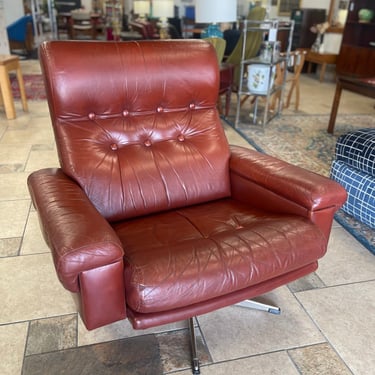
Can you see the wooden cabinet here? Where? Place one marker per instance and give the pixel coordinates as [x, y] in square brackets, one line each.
[303, 20]
[357, 53]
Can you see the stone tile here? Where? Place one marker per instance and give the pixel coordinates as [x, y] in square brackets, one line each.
[175, 350]
[318, 360]
[269, 364]
[308, 282]
[9, 247]
[11, 168]
[335, 224]
[14, 154]
[38, 108]
[52, 334]
[234, 137]
[3, 129]
[21, 119]
[345, 316]
[317, 98]
[13, 186]
[29, 133]
[12, 347]
[33, 241]
[119, 330]
[346, 261]
[30, 67]
[235, 332]
[42, 158]
[134, 356]
[30, 289]
[13, 215]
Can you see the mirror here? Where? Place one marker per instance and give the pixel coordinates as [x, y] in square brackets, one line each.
[337, 14]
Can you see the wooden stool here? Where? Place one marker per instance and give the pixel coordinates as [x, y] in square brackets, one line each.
[9, 63]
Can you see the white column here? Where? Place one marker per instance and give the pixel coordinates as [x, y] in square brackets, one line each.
[4, 43]
[13, 10]
[317, 4]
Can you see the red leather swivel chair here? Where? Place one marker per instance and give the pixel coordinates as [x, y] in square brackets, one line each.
[153, 216]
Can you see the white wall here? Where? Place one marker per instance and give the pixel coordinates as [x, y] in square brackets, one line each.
[87, 4]
[332, 42]
[13, 10]
[317, 4]
[4, 44]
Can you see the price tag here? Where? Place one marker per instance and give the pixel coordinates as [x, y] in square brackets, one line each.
[272, 35]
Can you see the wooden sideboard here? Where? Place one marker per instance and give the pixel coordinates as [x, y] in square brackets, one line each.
[357, 53]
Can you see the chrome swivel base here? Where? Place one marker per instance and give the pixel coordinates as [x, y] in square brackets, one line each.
[193, 343]
[248, 303]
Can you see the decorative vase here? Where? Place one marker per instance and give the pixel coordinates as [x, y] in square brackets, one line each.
[270, 51]
[212, 31]
[365, 15]
[318, 41]
[260, 78]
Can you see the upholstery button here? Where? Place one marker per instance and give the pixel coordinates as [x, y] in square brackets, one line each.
[160, 109]
[181, 138]
[114, 147]
[147, 143]
[125, 112]
[92, 116]
[191, 105]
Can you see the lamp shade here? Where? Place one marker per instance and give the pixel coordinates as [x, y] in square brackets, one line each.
[141, 7]
[213, 11]
[163, 8]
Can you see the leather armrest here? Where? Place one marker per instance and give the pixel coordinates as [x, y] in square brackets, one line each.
[79, 237]
[273, 184]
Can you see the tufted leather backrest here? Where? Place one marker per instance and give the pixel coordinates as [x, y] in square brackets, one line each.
[136, 123]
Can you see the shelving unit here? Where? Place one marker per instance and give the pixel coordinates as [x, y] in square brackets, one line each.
[37, 15]
[357, 52]
[113, 15]
[273, 30]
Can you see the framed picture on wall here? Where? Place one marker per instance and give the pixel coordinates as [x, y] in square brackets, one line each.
[286, 6]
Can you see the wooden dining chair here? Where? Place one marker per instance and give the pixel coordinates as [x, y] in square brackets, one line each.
[294, 65]
[226, 74]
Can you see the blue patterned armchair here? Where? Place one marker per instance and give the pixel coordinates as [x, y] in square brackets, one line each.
[21, 34]
[354, 169]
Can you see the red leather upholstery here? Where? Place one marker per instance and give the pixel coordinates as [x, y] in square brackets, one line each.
[152, 214]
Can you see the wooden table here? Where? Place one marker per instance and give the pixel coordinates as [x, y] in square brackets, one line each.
[362, 86]
[320, 58]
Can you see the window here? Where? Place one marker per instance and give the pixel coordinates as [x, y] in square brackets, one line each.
[286, 6]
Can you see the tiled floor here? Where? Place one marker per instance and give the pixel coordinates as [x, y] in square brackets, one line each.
[327, 325]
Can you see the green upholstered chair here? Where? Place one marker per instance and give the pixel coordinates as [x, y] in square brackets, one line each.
[226, 74]
[253, 42]
[219, 44]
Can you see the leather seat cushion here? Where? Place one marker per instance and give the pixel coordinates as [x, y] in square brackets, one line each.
[229, 247]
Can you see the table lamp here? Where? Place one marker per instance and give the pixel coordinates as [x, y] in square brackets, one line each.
[163, 9]
[213, 12]
[141, 7]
